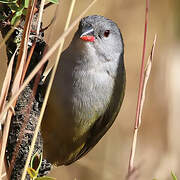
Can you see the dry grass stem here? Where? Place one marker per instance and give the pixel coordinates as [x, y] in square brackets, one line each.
[7, 122]
[50, 84]
[40, 17]
[146, 77]
[132, 153]
[142, 67]
[145, 80]
[4, 138]
[6, 84]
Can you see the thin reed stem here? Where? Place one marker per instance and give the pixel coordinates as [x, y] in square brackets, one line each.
[140, 91]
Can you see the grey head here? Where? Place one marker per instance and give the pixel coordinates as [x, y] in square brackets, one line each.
[99, 34]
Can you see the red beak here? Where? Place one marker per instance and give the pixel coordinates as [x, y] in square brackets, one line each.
[88, 34]
[88, 38]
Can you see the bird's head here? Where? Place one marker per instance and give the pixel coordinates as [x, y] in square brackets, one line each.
[100, 33]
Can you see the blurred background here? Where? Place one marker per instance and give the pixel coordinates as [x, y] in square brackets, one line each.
[158, 145]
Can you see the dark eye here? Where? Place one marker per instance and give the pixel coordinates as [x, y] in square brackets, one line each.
[106, 33]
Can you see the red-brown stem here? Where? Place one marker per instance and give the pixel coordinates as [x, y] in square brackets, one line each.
[142, 68]
[136, 126]
[28, 61]
[23, 46]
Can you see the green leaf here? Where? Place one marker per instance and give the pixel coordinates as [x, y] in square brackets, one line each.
[26, 3]
[45, 178]
[36, 161]
[53, 1]
[32, 173]
[16, 17]
[173, 176]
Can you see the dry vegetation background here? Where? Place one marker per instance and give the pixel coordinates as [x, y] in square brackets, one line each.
[158, 145]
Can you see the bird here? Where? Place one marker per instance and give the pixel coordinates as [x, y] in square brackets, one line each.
[87, 92]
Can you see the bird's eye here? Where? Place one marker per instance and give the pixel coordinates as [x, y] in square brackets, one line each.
[106, 33]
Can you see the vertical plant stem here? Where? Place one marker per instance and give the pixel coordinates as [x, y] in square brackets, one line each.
[40, 17]
[145, 80]
[142, 67]
[137, 117]
[6, 128]
[28, 60]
